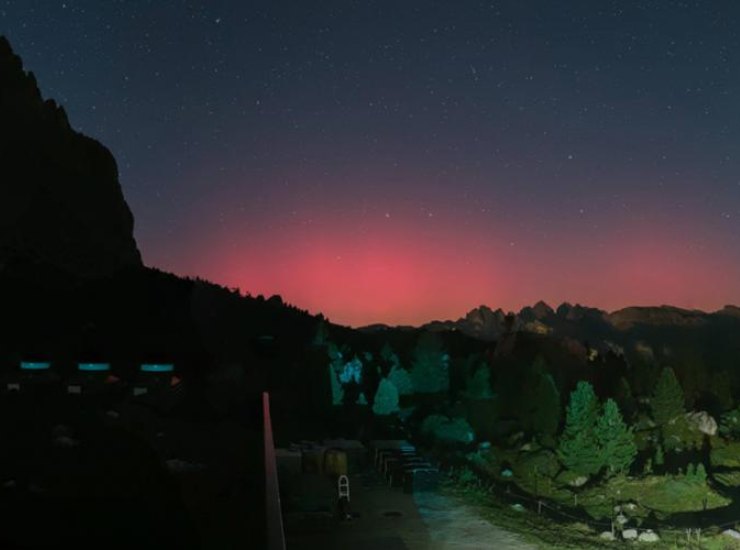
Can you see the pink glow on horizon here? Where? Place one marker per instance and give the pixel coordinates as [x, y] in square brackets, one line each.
[410, 274]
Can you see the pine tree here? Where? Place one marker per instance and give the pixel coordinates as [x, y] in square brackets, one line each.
[624, 398]
[616, 442]
[668, 400]
[479, 385]
[321, 336]
[546, 413]
[351, 372]
[430, 370]
[402, 380]
[337, 393]
[701, 473]
[578, 449]
[721, 387]
[386, 398]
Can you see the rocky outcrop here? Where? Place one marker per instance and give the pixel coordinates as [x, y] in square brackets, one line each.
[485, 323]
[577, 313]
[702, 421]
[661, 316]
[482, 323]
[648, 535]
[539, 312]
[603, 332]
[61, 204]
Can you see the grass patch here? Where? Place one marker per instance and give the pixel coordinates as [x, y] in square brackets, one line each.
[546, 533]
[536, 529]
[727, 455]
[728, 479]
[664, 495]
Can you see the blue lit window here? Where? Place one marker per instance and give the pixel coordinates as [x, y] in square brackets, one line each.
[94, 367]
[157, 367]
[34, 365]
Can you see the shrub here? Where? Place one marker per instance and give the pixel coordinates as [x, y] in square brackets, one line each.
[442, 429]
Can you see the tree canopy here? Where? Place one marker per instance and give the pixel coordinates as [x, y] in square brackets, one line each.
[578, 449]
[430, 367]
[615, 440]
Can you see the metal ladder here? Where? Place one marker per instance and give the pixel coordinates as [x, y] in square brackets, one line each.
[343, 487]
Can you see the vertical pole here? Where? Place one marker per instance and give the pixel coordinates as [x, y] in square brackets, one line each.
[273, 512]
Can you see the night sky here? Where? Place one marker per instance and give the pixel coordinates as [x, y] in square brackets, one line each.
[399, 161]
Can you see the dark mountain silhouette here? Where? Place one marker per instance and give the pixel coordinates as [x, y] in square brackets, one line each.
[538, 312]
[482, 323]
[72, 282]
[73, 289]
[732, 311]
[60, 200]
[600, 330]
[663, 315]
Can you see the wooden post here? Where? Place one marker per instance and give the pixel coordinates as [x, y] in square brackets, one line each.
[539, 506]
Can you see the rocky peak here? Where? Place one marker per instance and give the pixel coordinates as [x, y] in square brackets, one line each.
[484, 315]
[60, 200]
[578, 312]
[542, 310]
[538, 312]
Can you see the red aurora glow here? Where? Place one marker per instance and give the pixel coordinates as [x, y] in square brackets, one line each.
[398, 273]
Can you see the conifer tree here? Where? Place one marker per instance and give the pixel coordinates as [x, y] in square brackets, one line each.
[668, 400]
[321, 336]
[386, 398]
[624, 398]
[430, 370]
[479, 385]
[616, 441]
[547, 411]
[701, 473]
[337, 392]
[401, 379]
[578, 449]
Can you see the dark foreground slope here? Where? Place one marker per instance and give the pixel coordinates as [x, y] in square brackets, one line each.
[179, 469]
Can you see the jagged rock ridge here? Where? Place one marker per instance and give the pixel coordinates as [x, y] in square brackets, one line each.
[60, 200]
[575, 320]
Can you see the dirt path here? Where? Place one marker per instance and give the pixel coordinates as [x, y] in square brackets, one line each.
[388, 519]
[453, 525]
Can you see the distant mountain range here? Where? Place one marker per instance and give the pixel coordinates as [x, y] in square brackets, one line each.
[487, 324]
